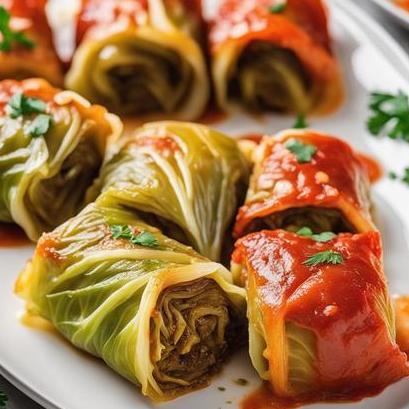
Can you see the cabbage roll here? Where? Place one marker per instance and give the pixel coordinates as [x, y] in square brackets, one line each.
[183, 178]
[274, 56]
[52, 144]
[141, 57]
[26, 45]
[306, 179]
[154, 310]
[321, 320]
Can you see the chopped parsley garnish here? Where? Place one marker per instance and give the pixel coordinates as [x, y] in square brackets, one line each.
[403, 178]
[40, 125]
[9, 36]
[320, 237]
[303, 151]
[20, 105]
[144, 238]
[278, 8]
[300, 122]
[120, 231]
[241, 381]
[389, 115]
[324, 257]
[3, 399]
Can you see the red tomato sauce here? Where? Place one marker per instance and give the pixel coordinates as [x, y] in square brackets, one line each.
[404, 4]
[402, 322]
[373, 167]
[338, 303]
[264, 398]
[212, 115]
[334, 178]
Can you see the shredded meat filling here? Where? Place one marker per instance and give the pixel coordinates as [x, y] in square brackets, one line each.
[191, 333]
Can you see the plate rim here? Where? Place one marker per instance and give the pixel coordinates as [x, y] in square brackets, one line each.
[394, 11]
[355, 13]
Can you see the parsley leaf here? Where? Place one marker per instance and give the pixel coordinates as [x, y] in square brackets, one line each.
[389, 115]
[8, 36]
[300, 122]
[144, 238]
[324, 257]
[403, 178]
[304, 152]
[305, 231]
[3, 399]
[278, 8]
[20, 105]
[40, 125]
[119, 231]
[320, 237]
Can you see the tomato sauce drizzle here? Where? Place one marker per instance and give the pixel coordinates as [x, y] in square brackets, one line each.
[12, 236]
[212, 115]
[402, 322]
[373, 167]
[264, 398]
[404, 4]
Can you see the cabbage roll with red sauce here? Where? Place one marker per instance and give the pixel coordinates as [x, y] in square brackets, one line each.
[26, 44]
[274, 56]
[306, 179]
[321, 321]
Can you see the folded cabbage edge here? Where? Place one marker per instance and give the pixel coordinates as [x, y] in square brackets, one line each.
[130, 70]
[116, 303]
[190, 177]
[45, 179]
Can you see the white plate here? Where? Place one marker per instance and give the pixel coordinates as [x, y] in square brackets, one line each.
[399, 14]
[58, 376]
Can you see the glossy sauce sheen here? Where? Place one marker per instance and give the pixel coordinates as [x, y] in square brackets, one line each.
[37, 88]
[29, 14]
[12, 236]
[304, 22]
[338, 303]
[374, 168]
[334, 178]
[103, 17]
[263, 398]
[402, 322]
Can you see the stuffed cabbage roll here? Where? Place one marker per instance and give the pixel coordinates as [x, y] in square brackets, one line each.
[306, 179]
[274, 56]
[52, 144]
[154, 310]
[141, 57]
[26, 46]
[183, 178]
[321, 321]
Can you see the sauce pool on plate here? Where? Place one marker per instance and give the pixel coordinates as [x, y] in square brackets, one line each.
[12, 235]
